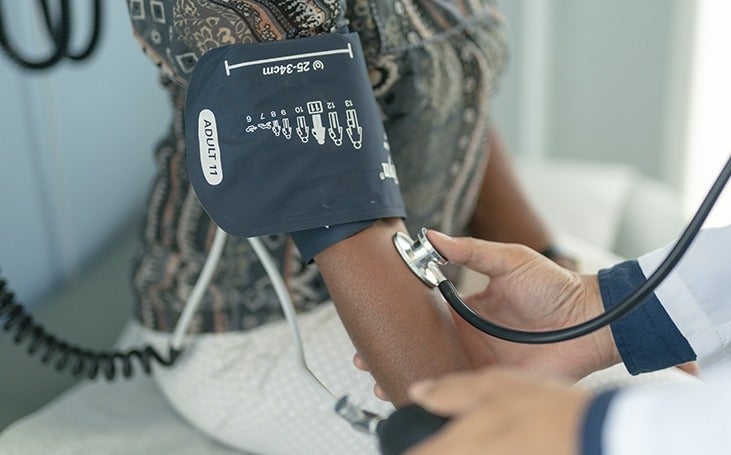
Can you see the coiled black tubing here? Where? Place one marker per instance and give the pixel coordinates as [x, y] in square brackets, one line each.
[58, 22]
[65, 356]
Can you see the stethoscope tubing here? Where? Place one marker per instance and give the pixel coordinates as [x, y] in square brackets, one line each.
[629, 304]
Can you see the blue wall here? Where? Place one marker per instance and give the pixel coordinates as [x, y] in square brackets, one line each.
[613, 85]
[77, 146]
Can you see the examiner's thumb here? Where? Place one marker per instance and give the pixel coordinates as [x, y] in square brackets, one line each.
[447, 246]
[457, 250]
[478, 255]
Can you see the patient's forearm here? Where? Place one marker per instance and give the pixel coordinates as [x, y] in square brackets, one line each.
[503, 213]
[400, 327]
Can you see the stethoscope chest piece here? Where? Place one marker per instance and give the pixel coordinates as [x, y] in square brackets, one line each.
[421, 257]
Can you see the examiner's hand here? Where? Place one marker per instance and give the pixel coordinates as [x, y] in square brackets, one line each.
[529, 292]
[499, 411]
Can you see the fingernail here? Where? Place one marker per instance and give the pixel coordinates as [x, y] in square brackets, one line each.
[439, 235]
[420, 388]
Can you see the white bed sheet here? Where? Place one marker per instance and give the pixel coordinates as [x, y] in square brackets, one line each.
[128, 417]
[132, 417]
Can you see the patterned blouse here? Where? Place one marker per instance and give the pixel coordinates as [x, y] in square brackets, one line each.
[433, 65]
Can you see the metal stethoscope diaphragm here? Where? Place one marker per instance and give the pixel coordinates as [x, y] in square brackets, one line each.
[421, 257]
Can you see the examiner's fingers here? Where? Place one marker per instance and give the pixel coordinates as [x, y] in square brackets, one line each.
[472, 433]
[490, 258]
[455, 393]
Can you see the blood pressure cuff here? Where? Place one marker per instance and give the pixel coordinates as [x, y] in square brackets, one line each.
[286, 136]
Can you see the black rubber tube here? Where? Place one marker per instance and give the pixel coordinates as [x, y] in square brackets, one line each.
[79, 361]
[59, 32]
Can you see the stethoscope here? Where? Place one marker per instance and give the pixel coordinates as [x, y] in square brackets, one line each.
[424, 261]
[409, 425]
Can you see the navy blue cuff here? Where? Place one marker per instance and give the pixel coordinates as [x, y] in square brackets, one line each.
[311, 241]
[647, 338]
[593, 425]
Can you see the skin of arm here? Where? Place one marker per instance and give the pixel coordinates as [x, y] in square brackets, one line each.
[503, 213]
[399, 326]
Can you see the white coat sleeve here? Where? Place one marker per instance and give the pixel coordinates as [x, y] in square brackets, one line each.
[697, 294]
[685, 418]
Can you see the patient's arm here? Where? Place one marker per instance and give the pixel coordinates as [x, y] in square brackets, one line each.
[503, 213]
[400, 327]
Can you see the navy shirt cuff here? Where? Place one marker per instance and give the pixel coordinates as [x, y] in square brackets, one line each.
[647, 338]
[593, 425]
